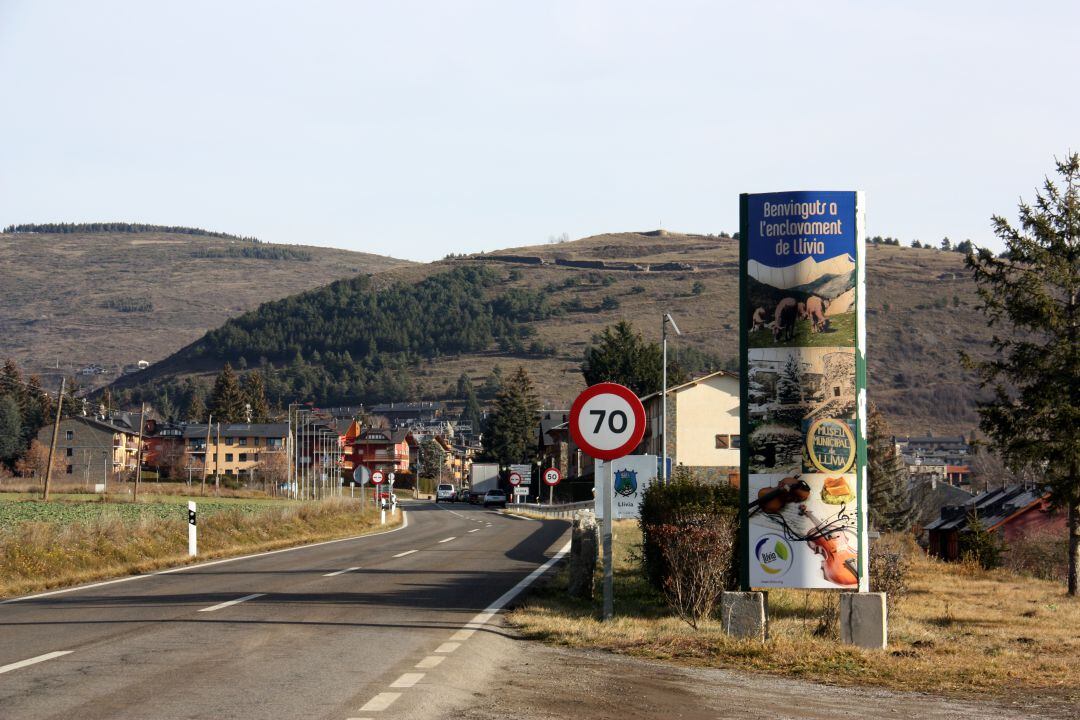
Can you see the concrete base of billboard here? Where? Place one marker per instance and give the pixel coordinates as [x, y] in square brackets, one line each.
[864, 620]
[743, 614]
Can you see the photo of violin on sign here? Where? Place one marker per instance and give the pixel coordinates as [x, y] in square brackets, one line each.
[803, 531]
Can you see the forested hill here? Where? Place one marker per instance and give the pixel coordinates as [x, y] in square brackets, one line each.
[116, 227]
[412, 332]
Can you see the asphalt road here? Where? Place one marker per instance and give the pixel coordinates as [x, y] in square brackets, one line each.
[383, 626]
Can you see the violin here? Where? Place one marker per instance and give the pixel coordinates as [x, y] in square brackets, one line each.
[773, 499]
[839, 563]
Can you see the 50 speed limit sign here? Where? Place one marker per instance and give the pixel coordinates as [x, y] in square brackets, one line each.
[607, 421]
[552, 476]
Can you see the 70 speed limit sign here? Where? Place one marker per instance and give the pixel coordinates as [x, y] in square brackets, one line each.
[607, 421]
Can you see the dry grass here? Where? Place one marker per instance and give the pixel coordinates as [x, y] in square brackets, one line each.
[41, 555]
[960, 631]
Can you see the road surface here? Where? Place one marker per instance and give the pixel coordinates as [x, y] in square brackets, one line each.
[340, 630]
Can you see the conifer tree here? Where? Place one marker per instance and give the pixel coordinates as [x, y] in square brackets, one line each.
[226, 402]
[889, 493]
[471, 414]
[621, 355]
[512, 424]
[196, 411]
[255, 393]
[1032, 291]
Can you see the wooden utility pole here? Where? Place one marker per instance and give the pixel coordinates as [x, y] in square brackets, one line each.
[217, 454]
[206, 454]
[138, 462]
[55, 435]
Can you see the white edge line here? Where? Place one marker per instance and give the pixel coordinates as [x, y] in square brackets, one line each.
[34, 660]
[380, 702]
[197, 566]
[513, 592]
[230, 603]
[407, 552]
[446, 540]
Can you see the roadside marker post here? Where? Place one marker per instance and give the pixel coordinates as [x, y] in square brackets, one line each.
[607, 421]
[192, 532]
[393, 498]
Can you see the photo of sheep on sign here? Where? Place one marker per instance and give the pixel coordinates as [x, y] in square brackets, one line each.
[801, 290]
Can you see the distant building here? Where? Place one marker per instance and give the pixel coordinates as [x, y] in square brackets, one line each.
[234, 448]
[932, 458]
[409, 412]
[95, 448]
[1011, 512]
[383, 449]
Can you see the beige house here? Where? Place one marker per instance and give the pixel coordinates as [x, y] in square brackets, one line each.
[235, 449]
[702, 426]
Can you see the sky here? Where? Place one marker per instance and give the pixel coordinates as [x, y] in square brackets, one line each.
[417, 129]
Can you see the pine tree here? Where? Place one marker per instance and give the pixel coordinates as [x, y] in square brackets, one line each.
[196, 411]
[226, 402]
[621, 355]
[255, 394]
[493, 383]
[1033, 290]
[889, 492]
[788, 386]
[512, 424]
[471, 414]
[10, 429]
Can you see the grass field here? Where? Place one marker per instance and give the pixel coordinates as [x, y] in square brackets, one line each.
[960, 631]
[56, 544]
[840, 332]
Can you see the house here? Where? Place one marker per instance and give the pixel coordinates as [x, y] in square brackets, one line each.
[405, 413]
[929, 457]
[95, 448]
[234, 448]
[702, 427]
[383, 449]
[1011, 511]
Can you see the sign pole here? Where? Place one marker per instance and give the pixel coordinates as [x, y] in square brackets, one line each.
[609, 573]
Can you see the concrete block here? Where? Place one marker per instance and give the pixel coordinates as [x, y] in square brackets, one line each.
[584, 551]
[864, 620]
[743, 614]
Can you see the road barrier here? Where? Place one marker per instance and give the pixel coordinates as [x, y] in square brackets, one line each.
[565, 510]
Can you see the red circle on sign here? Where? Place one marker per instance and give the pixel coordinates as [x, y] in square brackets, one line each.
[552, 476]
[515, 479]
[377, 477]
[627, 395]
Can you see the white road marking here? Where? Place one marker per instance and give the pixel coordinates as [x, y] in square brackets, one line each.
[511, 515]
[475, 530]
[184, 568]
[463, 634]
[237, 601]
[448, 647]
[430, 661]
[34, 660]
[380, 702]
[407, 680]
[407, 552]
[445, 540]
[340, 572]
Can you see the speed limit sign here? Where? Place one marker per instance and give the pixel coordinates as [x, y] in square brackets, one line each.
[515, 479]
[607, 421]
[552, 476]
[377, 477]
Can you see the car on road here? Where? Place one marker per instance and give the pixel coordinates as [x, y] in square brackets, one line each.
[495, 497]
[445, 493]
[474, 497]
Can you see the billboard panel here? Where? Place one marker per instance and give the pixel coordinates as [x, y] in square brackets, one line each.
[803, 403]
[632, 474]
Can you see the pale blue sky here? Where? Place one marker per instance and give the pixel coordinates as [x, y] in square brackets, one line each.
[421, 128]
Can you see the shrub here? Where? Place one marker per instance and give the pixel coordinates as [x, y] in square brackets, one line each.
[889, 570]
[1042, 554]
[682, 504]
[699, 559]
[979, 545]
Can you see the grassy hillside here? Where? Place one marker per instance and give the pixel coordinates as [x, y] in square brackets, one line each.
[920, 312]
[112, 298]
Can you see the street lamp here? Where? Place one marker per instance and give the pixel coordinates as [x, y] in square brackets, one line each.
[663, 403]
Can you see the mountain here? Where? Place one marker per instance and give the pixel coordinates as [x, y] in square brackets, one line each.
[110, 296]
[804, 272]
[411, 331]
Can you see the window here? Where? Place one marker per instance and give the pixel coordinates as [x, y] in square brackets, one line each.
[228, 457]
[230, 441]
[70, 452]
[254, 442]
[836, 391]
[736, 441]
[68, 470]
[274, 442]
[243, 442]
[69, 434]
[243, 457]
[723, 442]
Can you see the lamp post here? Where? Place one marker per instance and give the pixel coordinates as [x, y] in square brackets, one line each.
[663, 402]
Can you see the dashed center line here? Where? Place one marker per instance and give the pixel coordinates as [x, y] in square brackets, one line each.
[36, 660]
[430, 661]
[407, 552]
[237, 601]
[475, 530]
[407, 680]
[380, 702]
[340, 572]
[448, 647]
[446, 540]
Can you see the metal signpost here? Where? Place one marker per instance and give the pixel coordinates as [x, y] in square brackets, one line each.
[607, 421]
[360, 476]
[803, 395]
[377, 478]
[515, 480]
[552, 477]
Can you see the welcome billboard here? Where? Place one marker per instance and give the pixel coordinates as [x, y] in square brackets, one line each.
[802, 337]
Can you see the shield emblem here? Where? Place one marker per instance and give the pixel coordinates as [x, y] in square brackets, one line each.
[626, 482]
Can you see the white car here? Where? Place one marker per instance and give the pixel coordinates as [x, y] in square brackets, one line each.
[445, 492]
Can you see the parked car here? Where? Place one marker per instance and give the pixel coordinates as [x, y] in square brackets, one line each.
[495, 497]
[474, 497]
[445, 493]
